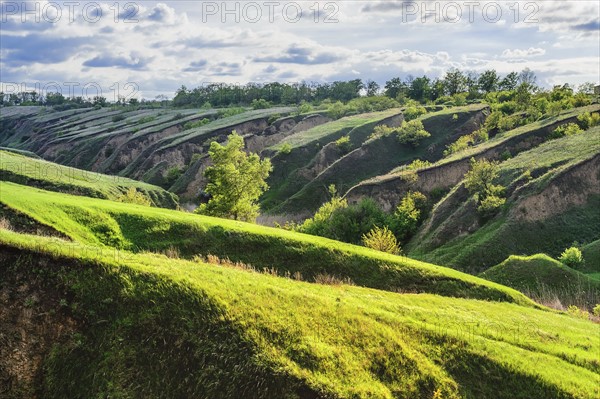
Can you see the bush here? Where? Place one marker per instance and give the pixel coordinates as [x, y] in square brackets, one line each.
[285, 149]
[568, 129]
[381, 239]
[489, 205]
[412, 133]
[273, 118]
[192, 125]
[118, 118]
[579, 313]
[587, 120]
[413, 110]
[260, 104]
[572, 257]
[596, 310]
[344, 144]
[336, 110]
[227, 112]
[381, 131]
[304, 108]
[132, 196]
[417, 164]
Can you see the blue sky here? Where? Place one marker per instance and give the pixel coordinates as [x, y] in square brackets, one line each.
[158, 46]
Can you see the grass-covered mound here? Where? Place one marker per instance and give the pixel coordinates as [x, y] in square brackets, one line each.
[591, 256]
[546, 279]
[140, 228]
[54, 177]
[149, 326]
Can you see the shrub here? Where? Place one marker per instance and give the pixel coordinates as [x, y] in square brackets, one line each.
[381, 239]
[317, 225]
[336, 110]
[118, 118]
[344, 144]
[193, 125]
[572, 257]
[417, 164]
[587, 120]
[228, 112]
[260, 103]
[413, 110]
[568, 129]
[489, 205]
[132, 196]
[285, 149]
[596, 310]
[579, 313]
[412, 133]
[273, 118]
[381, 131]
[304, 108]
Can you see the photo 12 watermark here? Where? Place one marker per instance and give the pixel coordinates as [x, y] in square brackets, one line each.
[15, 93]
[53, 12]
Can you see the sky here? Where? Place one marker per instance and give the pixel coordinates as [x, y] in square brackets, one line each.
[148, 48]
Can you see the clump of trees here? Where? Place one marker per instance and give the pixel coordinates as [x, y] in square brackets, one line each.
[338, 220]
[235, 181]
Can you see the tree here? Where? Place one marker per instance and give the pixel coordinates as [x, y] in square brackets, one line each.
[489, 81]
[510, 81]
[455, 82]
[479, 180]
[408, 214]
[382, 239]
[394, 87]
[420, 89]
[235, 181]
[372, 88]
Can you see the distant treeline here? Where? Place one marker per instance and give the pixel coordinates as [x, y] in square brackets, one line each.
[423, 89]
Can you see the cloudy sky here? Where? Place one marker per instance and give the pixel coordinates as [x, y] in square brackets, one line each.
[154, 47]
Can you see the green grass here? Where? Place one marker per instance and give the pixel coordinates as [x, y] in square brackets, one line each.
[150, 326]
[528, 173]
[288, 176]
[324, 131]
[544, 279]
[378, 156]
[591, 256]
[139, 228]
[51, 176]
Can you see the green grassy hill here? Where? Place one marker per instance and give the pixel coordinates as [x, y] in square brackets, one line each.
[140, 228]
[143, 325]
[536, 217]
[546, 279]
[374, 157]
[54, 177]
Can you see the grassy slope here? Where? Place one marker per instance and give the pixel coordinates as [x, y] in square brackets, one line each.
[127, 226]
[233, 333]
[286, 178]
[379, 156]
[51, 176]
[503, 236]
[540, 274]
[591, 255]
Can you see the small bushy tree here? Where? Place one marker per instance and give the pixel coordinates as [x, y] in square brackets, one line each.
[133, 196]
[479, 180]
[572, 257]
[382, 239]
[235, 181]
[412, 133]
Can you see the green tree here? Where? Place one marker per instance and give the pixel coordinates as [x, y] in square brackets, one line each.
[408, 214]
[489, 81]
[382, 239]
[479, 180]
[235, 181]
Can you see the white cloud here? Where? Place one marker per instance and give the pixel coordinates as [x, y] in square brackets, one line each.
[519, 53]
